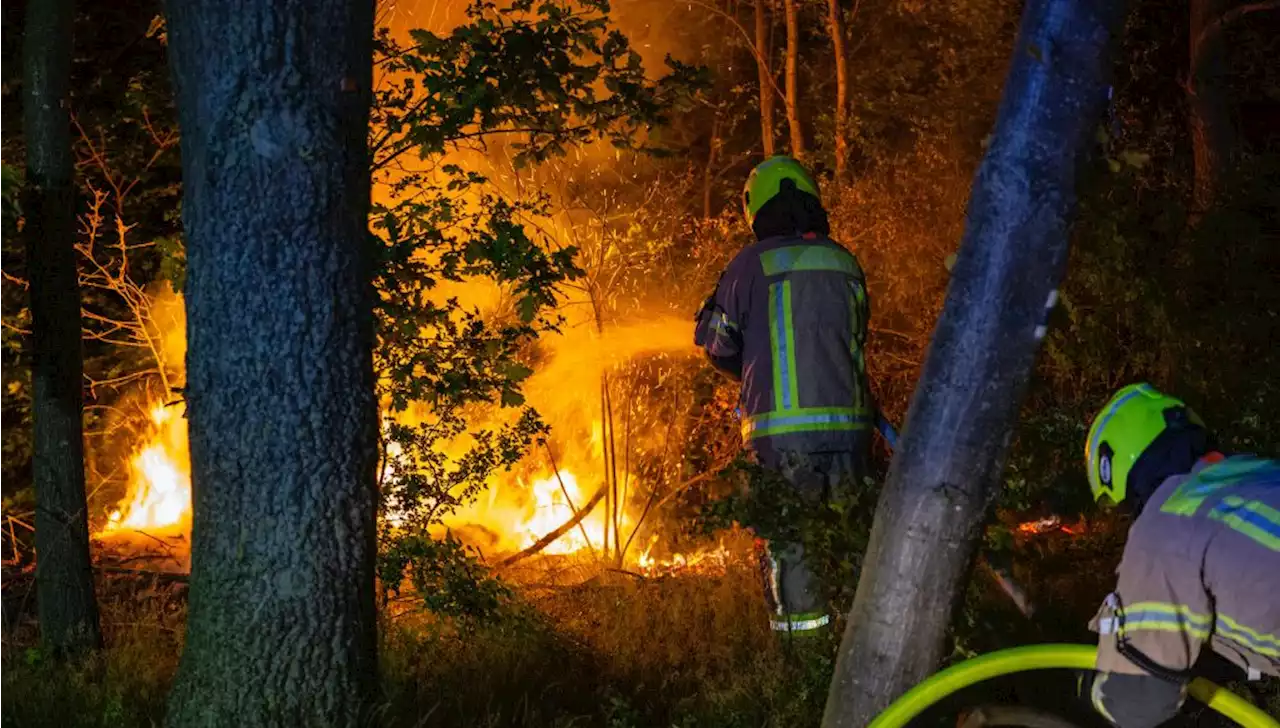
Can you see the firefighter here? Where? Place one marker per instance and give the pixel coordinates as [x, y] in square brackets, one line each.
[788, 319]
[1201, 567]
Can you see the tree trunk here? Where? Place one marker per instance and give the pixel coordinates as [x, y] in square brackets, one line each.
[709, 174]
[273, 99]
[765, 73]
[1208, 110]
[793, 60]
[842, 87]
[64, 581]
[1011, 259]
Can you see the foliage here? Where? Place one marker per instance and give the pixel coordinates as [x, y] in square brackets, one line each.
[833, 530]
[528, 76]
[532, 74]
[447, 578]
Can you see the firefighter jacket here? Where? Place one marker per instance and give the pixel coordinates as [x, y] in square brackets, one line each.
[1201, 569]
[789, 320]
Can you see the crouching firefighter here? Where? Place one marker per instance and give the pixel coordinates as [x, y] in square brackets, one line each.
[788, 320]
[1201, 567]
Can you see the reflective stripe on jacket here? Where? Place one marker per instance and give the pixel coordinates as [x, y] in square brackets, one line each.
[1201, 567]
[791, 314]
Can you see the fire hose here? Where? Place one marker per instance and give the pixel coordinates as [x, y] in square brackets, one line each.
[1047, 657]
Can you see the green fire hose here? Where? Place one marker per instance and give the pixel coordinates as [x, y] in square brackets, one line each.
[1044, 657]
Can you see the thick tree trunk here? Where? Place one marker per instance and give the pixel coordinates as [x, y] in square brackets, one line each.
[765, 73]
[273, 99]
[1208, 109]
[842, 87]
[793, 61]
[64, 580]
[961, 419]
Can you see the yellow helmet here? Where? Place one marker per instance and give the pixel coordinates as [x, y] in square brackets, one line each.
[1124, 430]
[765, 182]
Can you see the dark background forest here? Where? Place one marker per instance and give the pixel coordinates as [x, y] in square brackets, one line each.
[533, 321]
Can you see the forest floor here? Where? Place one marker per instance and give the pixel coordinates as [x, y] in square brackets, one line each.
[615, 650]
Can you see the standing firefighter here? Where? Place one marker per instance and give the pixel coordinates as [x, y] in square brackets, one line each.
[1201, 567]
[788, 320]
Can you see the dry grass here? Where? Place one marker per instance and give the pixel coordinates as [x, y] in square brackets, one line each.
[615, 650]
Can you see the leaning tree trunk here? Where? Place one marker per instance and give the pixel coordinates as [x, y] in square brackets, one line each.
[765, 73]
[273, 99]
[793, 61]
[64, 580]
[842, 87]
[1208, 110]
[961, 419]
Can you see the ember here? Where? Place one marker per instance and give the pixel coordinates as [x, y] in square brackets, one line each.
[1048, 524]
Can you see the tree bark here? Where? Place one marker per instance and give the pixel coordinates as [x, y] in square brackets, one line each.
[273, 99]
[1208, 108]
[1011, 259]
[765, 73]
[709, 174]
[793, 60]
[64, 580]
[842, 87]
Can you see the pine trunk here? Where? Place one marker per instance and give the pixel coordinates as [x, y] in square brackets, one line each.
[793, 61]
[273, 99]
[842, 88]
[64, 580]
[765, 73]
[947, 474]
[1209, 118]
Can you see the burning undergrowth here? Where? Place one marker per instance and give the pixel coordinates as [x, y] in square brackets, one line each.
[532, 411]
[585, 497]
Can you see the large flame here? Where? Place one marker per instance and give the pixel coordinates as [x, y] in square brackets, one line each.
[552, 497]
[517, 510]
[159, 494]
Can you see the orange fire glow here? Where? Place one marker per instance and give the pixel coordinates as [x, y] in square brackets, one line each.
[1046, 525]
[518, 511]
[159, 494]
[551, 510]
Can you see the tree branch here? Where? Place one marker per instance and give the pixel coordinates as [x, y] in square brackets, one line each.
[750, 44]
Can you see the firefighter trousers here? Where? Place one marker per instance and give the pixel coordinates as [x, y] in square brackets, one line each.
[792, 591]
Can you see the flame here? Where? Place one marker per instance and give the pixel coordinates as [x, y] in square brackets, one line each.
[552, 510]
[159, 494]
[706, 561]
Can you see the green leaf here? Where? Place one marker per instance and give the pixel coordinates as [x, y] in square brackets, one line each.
[527, 308]
[517, 372]
[512, 398]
